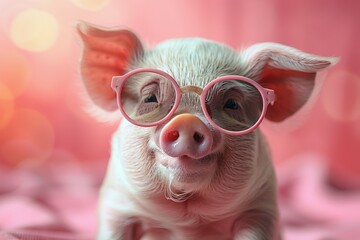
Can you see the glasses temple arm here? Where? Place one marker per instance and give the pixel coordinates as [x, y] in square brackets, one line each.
[115, 82]
[270, 96]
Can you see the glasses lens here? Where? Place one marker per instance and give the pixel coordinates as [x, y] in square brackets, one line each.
[147, 97]
[234, 105]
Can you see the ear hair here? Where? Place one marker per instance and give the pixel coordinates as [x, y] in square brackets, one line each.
[278, 56]
[107, 52]
[291, 73]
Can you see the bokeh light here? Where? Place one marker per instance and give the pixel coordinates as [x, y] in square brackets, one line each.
[341, 98]
[14, 72]
[34, 30]
[6, 105]
[91, 5]
[28, 138]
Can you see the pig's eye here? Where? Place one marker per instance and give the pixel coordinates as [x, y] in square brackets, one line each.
[231, 104]
[151, 98]
[147, 97]
[234, 105]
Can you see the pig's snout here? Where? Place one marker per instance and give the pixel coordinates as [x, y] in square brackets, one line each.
[186, 135]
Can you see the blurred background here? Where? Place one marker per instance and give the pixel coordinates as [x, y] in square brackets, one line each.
[42, 106]
[43, 115]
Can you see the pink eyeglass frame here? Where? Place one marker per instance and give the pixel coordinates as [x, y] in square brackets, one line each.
[268, 97]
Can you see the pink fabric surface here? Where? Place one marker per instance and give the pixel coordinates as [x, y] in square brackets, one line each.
[311, 206]
[53, 202]
[46, 203]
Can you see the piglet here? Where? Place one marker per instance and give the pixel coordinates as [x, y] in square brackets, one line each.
[188, 160]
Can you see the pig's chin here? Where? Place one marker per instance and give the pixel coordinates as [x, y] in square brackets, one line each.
[186, 175]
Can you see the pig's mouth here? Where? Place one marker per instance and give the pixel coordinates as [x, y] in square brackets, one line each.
[187, 175]
[189, 168]
[187, 162]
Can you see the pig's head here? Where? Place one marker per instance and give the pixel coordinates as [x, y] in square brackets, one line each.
[186, 154]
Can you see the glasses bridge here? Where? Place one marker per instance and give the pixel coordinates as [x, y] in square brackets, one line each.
[195, 89]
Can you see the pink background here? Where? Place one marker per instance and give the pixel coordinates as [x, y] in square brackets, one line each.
[42, 103]
[44, 119]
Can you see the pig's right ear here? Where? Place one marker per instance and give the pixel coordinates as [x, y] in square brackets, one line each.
[291, 73]
[107, 52]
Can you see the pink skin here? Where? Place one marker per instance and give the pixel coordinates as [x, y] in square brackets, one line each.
[184, 177]
[186, 136]
[186, 144]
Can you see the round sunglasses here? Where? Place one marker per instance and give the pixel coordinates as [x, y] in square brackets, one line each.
[232, 104]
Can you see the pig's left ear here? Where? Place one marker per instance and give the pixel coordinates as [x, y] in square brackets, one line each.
[288, 71]
[106, 53]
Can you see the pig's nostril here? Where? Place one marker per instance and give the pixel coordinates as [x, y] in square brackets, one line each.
[199, 138]
[172, 136]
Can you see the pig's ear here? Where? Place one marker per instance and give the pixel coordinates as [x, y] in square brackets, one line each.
[288, 71]
[107, 52]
